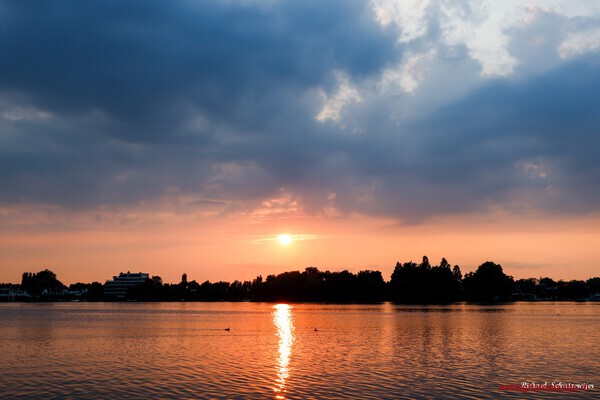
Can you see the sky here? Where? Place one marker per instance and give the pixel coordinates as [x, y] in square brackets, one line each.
[187, 136]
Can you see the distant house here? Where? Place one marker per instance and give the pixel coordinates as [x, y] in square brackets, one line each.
[11, 293]
[117, 287]
[54, 292]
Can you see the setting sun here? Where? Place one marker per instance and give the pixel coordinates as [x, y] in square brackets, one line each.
[284, 240]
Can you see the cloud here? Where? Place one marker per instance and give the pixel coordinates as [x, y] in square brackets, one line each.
[145, 97]
[580, 43]
[511, 144]
[150, 67]
[226, 105]
[346, 93]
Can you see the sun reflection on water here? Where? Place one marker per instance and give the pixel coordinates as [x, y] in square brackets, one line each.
[282, 318]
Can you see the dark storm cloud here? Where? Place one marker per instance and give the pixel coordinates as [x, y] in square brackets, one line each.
[148, 65]
[520, 145]
[531, 144]
[173, 83]
[113, 103]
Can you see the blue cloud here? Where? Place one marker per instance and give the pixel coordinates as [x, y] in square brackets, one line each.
[146, 64]
[113, 103]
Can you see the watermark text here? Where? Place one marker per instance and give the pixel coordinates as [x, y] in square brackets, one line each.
[547, 387]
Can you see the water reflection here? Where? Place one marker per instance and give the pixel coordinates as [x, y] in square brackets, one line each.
[282, 318]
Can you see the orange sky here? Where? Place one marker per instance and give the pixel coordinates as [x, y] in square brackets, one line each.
[244, 245]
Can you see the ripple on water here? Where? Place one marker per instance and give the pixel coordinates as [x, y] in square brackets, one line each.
[173, 351]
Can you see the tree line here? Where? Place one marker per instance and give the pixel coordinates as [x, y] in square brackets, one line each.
[410, 283]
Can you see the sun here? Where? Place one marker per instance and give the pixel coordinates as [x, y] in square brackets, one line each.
[284, 240]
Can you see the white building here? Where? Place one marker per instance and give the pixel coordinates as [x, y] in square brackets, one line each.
[12, 294]
[119, 285]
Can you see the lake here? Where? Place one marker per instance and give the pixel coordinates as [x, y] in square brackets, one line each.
[296, 351]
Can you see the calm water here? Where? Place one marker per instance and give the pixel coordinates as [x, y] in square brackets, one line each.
[182, 350]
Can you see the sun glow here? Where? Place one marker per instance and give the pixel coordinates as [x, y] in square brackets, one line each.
[284, 240]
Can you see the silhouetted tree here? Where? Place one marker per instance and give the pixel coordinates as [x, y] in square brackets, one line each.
[488, 283]
[315, 285]
[370, 286]
[525, 289]
[456, 274]
[443, 285]
[184, 280]
[95, 292]
[340, 286]
[594, 285]
[88, 291]
[412, 283]
[425, 265]
[180, 291]
[409, 283]
[239, 291]
[548, 282]
[405, 283]
[151, 290]
[42, 282]
[573, 290]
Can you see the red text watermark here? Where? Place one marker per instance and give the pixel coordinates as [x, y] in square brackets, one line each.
[547, 387]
